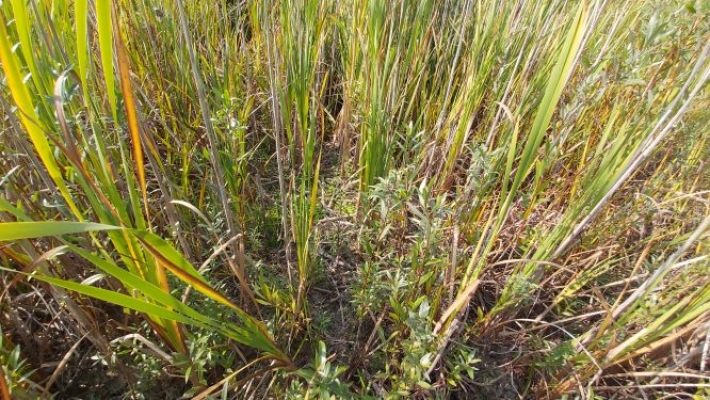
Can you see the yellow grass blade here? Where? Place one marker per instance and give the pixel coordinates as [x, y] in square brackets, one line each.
[131, 115]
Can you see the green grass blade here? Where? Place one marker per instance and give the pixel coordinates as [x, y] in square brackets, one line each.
[120, 299]
[156, 294]
[556, 83]
[19, 7]
[30, 230]
[172, 260]
[164, 251]
[28, 116]
[104, 27]
[81, 13]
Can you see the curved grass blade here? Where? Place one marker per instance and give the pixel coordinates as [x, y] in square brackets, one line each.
[172, 260]
[251, 335]
[30, 230]
[121, 299]
[166, 255]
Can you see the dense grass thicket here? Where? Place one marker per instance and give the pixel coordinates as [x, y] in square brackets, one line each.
[324, 199]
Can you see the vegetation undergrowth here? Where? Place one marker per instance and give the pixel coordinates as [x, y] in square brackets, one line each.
[354, 199]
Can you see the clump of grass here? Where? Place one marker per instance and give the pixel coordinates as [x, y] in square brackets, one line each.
[476, 192]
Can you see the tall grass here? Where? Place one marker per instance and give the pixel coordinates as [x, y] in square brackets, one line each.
[490, 191]
[303, 34]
